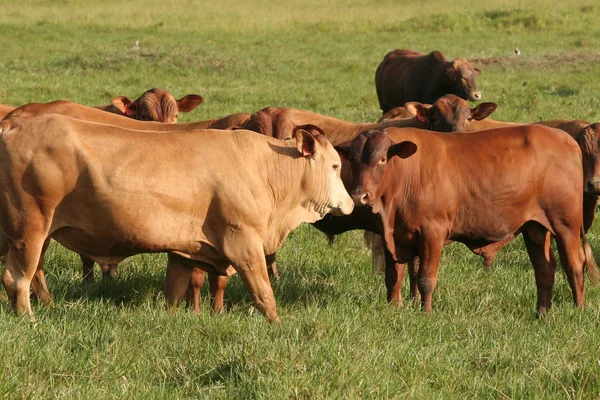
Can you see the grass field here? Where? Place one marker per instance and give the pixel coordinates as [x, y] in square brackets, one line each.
[338, 338]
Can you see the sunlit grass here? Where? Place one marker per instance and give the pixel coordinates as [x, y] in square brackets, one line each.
[338, 338]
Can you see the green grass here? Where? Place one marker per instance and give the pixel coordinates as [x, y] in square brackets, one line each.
[338, 338]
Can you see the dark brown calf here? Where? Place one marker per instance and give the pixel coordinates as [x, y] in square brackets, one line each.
[428, 188]
[406, 75]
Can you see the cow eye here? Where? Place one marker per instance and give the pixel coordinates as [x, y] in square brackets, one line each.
[382, 161]
[336, 167]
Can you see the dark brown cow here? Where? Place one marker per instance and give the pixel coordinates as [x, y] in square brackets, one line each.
[153, 105]
[405, 75]
[429, 188]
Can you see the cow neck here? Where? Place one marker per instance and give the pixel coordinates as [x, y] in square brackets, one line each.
[402, 181]
[285, 176]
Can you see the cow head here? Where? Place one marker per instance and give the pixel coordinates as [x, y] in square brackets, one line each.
[369, 154]
[461, 77]
[156, 105]
[449, 113]
[589, 142]
[325, 164]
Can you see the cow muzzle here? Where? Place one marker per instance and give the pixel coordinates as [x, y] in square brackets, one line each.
[475, 96]
[592, 185]
[361, 198]
[344, 209]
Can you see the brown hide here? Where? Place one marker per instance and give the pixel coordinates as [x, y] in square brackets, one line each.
[521, 179]
[92, 187]
[406, 75]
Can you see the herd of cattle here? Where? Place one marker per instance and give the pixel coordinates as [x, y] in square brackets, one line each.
[110, 182]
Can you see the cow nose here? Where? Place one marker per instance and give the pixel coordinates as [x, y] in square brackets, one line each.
[477, 95]
[593, 185]
[360, 198]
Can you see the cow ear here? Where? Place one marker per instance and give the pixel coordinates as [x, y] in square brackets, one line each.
[189, 102]
[305, 143]
[312, 129]
[125, 105]
[483, 110]
[403, 149]
[343, 151]
[419, 110]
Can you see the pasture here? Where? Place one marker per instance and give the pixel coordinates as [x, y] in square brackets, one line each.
[338, 338]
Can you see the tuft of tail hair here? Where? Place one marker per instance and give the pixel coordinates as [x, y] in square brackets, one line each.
[590, 262]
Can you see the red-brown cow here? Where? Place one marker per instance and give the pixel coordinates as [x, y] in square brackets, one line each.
[428, 188]
[406, 75]
[153, 105]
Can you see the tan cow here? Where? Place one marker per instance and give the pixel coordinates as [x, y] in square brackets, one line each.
[92, 188]
[153, 105]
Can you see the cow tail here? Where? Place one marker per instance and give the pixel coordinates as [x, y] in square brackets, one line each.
[590, 262]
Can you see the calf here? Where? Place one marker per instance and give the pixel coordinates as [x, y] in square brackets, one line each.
[428, 188]
[91, 187]
[153, 105]
[406, 75]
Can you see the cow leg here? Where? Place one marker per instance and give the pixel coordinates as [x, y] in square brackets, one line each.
[192, 298]
[589, 210]
[413, 270]
[429, 254]
[179, 276]
[394, 274]
[252, 268]
[572, 258]
[217, 285]
[272, 266]
[109, 270]
[39, 286]
[375, 243]
[88, 269]
[537, 242]
[21, 265]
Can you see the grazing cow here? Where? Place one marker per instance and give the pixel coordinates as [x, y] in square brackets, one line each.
[428, 188]
[91, 187]
[153, 105]
[405, 75]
